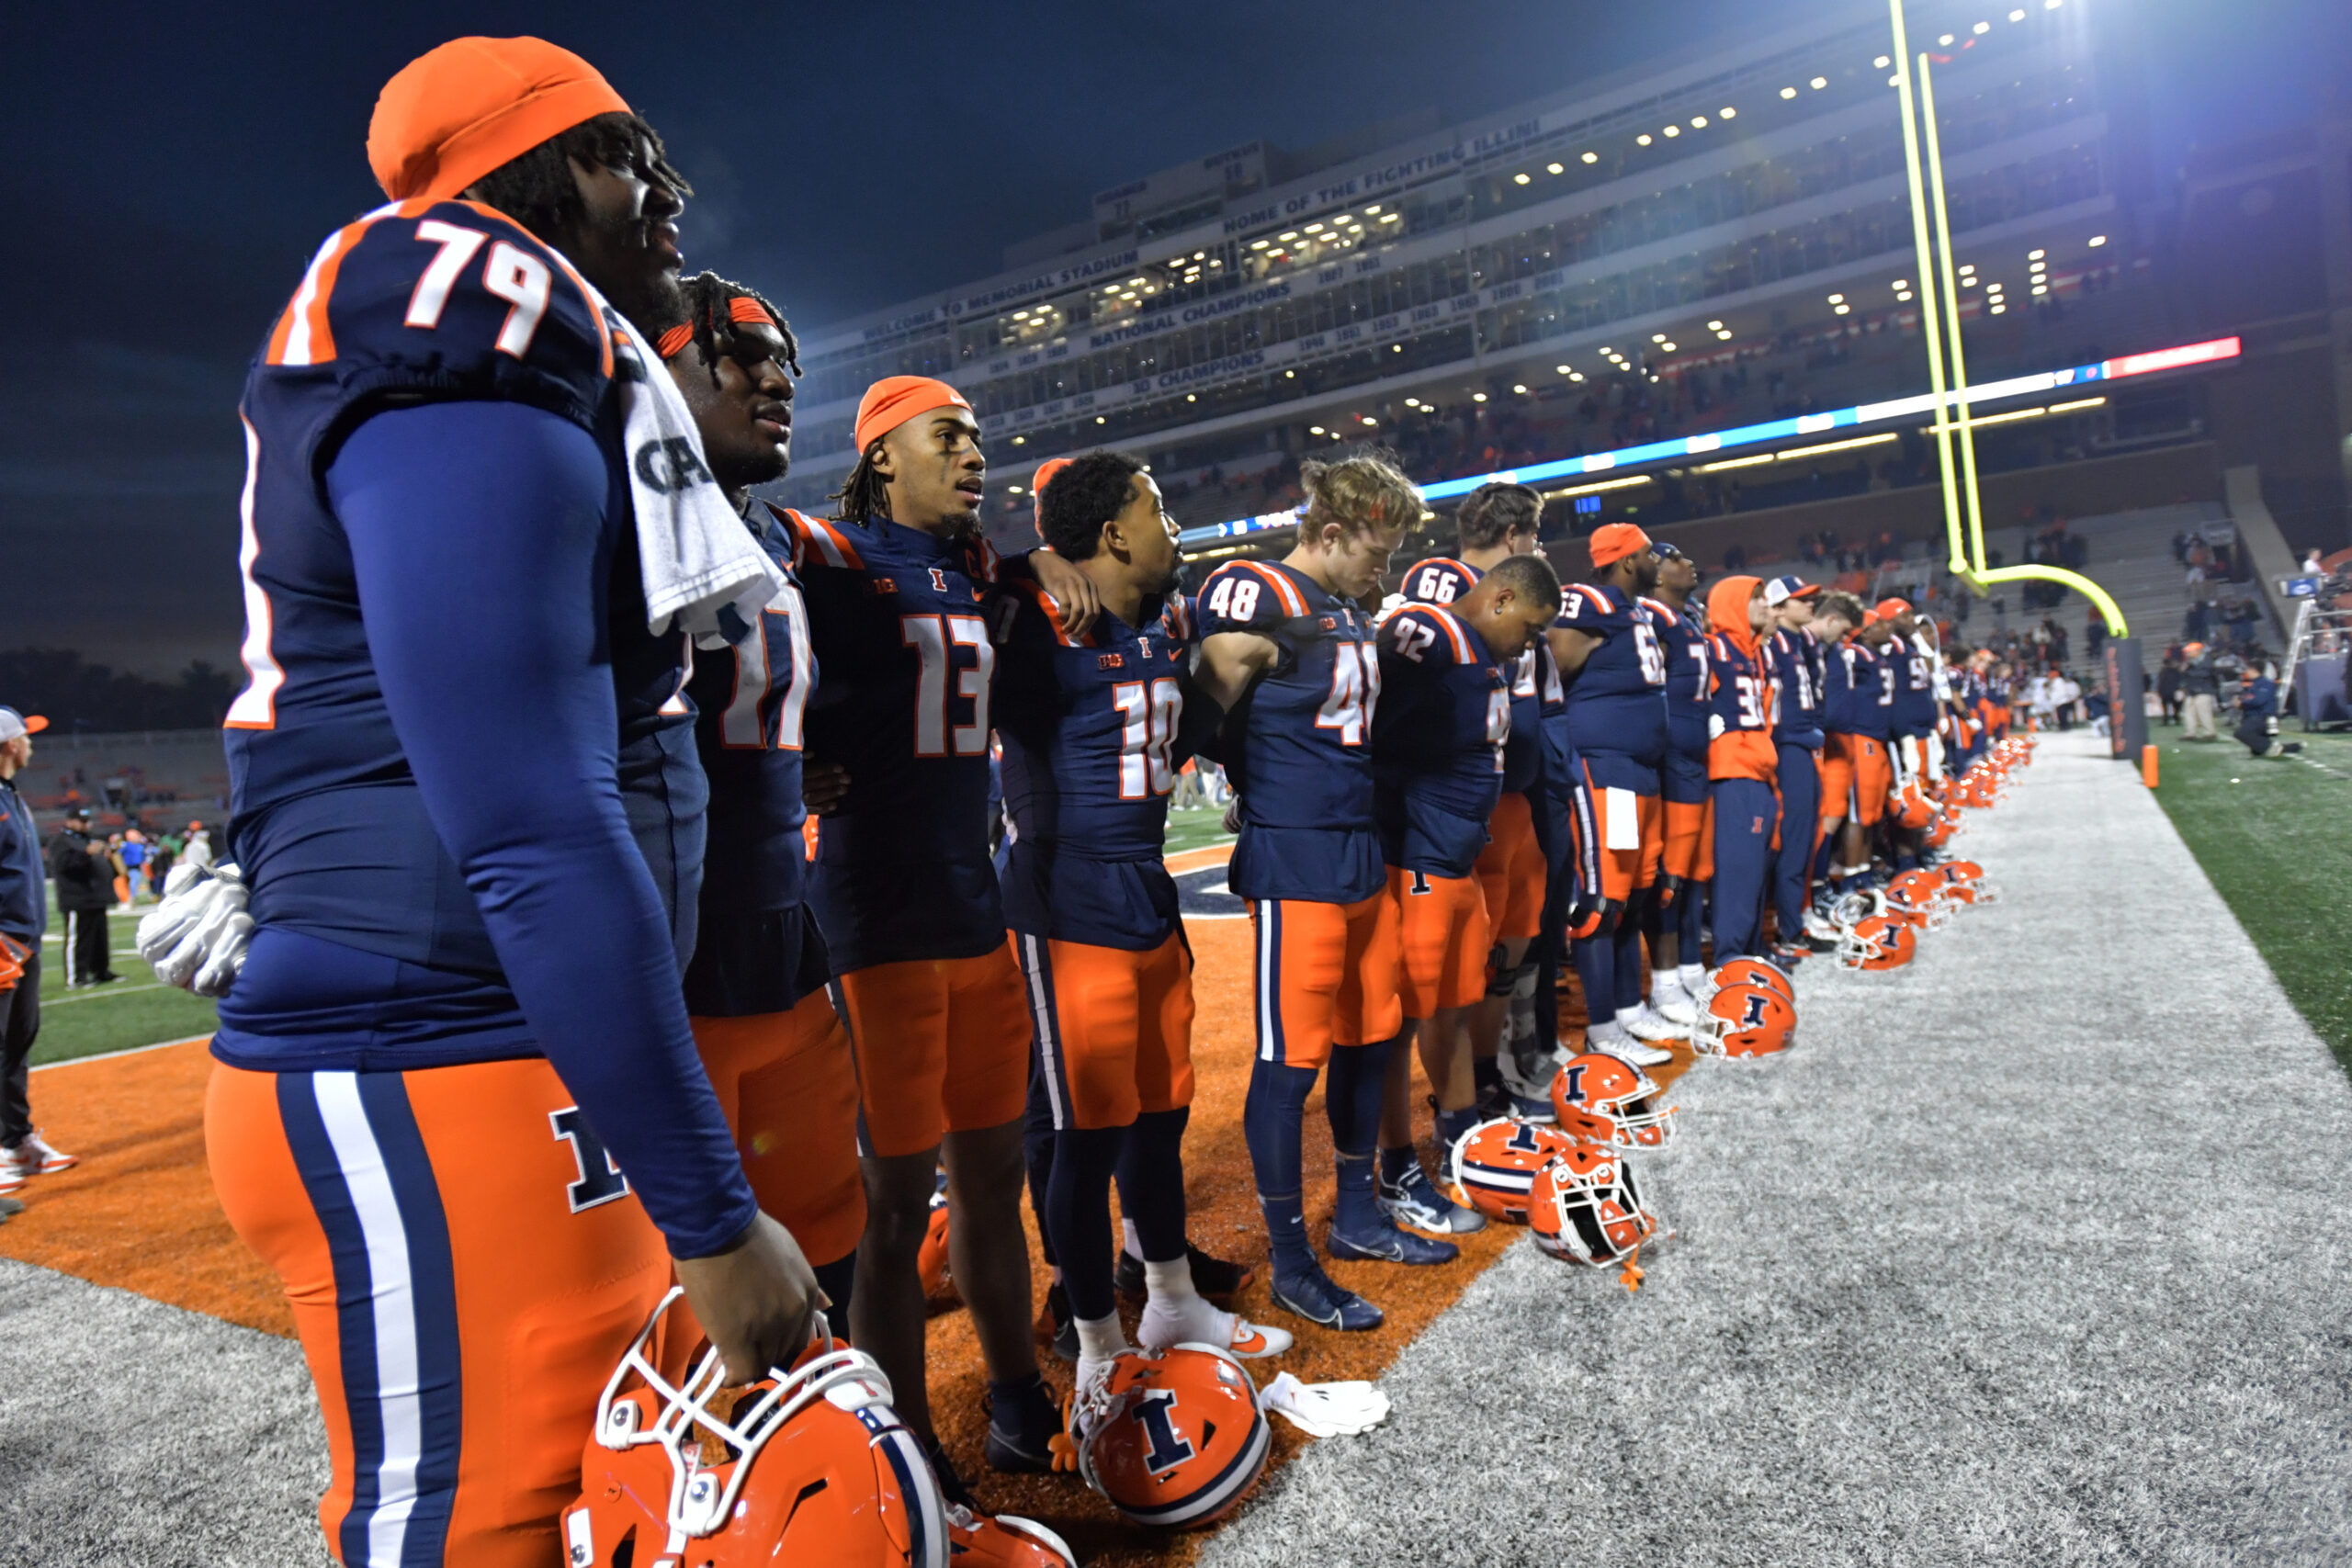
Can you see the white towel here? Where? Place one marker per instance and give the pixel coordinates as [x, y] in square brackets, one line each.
[702, 571]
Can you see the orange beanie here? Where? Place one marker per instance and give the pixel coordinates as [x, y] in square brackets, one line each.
[457, 112]
[894, 400]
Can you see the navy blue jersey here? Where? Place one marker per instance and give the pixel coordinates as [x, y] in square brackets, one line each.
[1913, 681]
[436, 414]
[757, 949]
[1088, 725]
[1686, 649]
[905, 624]
[1441, 579]
[1438, 741]
[1298, 745]
[1855, 697]
[1617, 700]
[1795, 658]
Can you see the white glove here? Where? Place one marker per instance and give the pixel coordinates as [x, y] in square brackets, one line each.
[197, 937]
[1325, 1409]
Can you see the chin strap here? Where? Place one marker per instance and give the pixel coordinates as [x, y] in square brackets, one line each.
[1631, 1270]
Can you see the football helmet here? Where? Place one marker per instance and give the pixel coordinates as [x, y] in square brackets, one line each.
[1964, 883]
[1947, 826]
[931, 1258]
[1601, 1098]
[1492, 1163]
[1002, 1540]
[1750, 972]
[1880, 941]
[1911, 806]
[1745, 1019]
[1915, 898]
[1174, 1439]
[1584, 1208]
[810, 1465]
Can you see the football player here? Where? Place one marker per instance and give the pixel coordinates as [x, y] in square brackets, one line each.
[1298, 748]
[1855, 775]
[1494, 523]
[906, 604]
[1793, 649]
[1438, 752]
[755, 990]
[1672, 923]
[468, 807]
[1742, 763]
[1609, 655]
[1911, 674]
[1093, 728]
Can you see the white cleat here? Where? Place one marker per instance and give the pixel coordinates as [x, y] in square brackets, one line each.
[1649, 1024]
[1672, 1003]
[1201, 1323]
[1625, 1048]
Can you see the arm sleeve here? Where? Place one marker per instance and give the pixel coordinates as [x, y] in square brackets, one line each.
[477, 539]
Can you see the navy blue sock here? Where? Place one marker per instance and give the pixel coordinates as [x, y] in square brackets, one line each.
[1021, 1409]
[1628, 987]
[1152, 1182]
[1825, 857]
[1486, 1076]
[1906, 861]
[1351, 1093]
[835, 1279]
[1270, 1118]
[1451, 1125]
[1037, 1157]
[1693, 918]
[1597, 972]
[1394, 1163]
[1077, 1215]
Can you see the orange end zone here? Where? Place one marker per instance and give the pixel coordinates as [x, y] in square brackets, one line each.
[139, 1212]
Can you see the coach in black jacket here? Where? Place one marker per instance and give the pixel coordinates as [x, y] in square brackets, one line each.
[85, 879]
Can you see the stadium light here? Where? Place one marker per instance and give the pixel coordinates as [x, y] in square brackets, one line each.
[1592, 157]
[1818, 83]
[2097, 239]
[1727, 112]
[1788, 92]
[1519, 179]
[1643, 140]
[1674, 131]
[1983, 28]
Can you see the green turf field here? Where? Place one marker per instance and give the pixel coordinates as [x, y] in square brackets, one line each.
[1191, 830]
[2273, 836]
[137, 1010]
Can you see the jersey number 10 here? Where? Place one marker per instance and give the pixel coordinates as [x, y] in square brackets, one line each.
[1149, 716]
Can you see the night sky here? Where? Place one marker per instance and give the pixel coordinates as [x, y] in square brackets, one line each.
[173, 168]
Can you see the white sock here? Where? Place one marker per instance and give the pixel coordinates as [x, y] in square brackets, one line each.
[1628, 1017]
[1099, 1339]
[1170, 1282]
[1608, 1029]
[1693, 977]
[1130, 1240]
[1176, 1314]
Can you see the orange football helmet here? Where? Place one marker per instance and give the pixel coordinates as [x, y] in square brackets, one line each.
[1584, 1208]
[811, 1465]
[1744, 1020]
[1603, 1099]
[1174, 1439]
[1877, 942]
[1493, 1162]
[931, 1258]
[1750, 972]
[1947, 826]
[1911, 806]
[1915, 898]
[1964, 883]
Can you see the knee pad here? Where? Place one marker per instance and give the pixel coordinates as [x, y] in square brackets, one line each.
[1665, 893]
[1613, 915]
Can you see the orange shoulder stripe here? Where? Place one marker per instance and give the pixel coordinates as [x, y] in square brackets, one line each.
[1292, 602]
[302, 336]
[1444, 619]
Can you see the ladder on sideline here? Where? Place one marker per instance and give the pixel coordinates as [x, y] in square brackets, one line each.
[2325, 634]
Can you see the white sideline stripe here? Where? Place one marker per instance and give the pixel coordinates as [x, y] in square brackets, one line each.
[90, 995]
[398, 1398]
[127, 1051]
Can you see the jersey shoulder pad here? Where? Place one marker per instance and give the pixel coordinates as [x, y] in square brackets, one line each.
[447, 300]
[1660, 612]
[817, 542]
[1248, 596]
[1441, 580]
[1585, 608]
[1427, 635]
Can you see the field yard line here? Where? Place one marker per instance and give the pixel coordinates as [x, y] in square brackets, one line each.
[127, 1051]
[101, 994]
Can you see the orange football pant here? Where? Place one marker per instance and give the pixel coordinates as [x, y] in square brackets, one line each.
[942, 1046]
[1856, 775]
[1690, 849]
[1113, 1027]
[788, 1087]
[465, 1266]
[1326, 975]
[1622, 871]
[1510, 871]
[1441, 930]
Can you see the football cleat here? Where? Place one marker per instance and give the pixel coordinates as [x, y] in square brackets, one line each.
[1383, 1243]
[1003, 1541]
[1201, 1323]
[1673, 1003]
[1600, 1100]
[1022, 1432]
[1056, 1327]
[37, 1157]
[1311, 1295]
[1745, 1019]
[810, 1465]
[1174, 1439]
[1649, 1024]
[1584, 1208]
[1213, 1276]
[1625, 1048]
[1964, 883]
[1907, 901]
[1494, 1161]
[1750, 972]
[1415, 1203]
[1879, 942]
